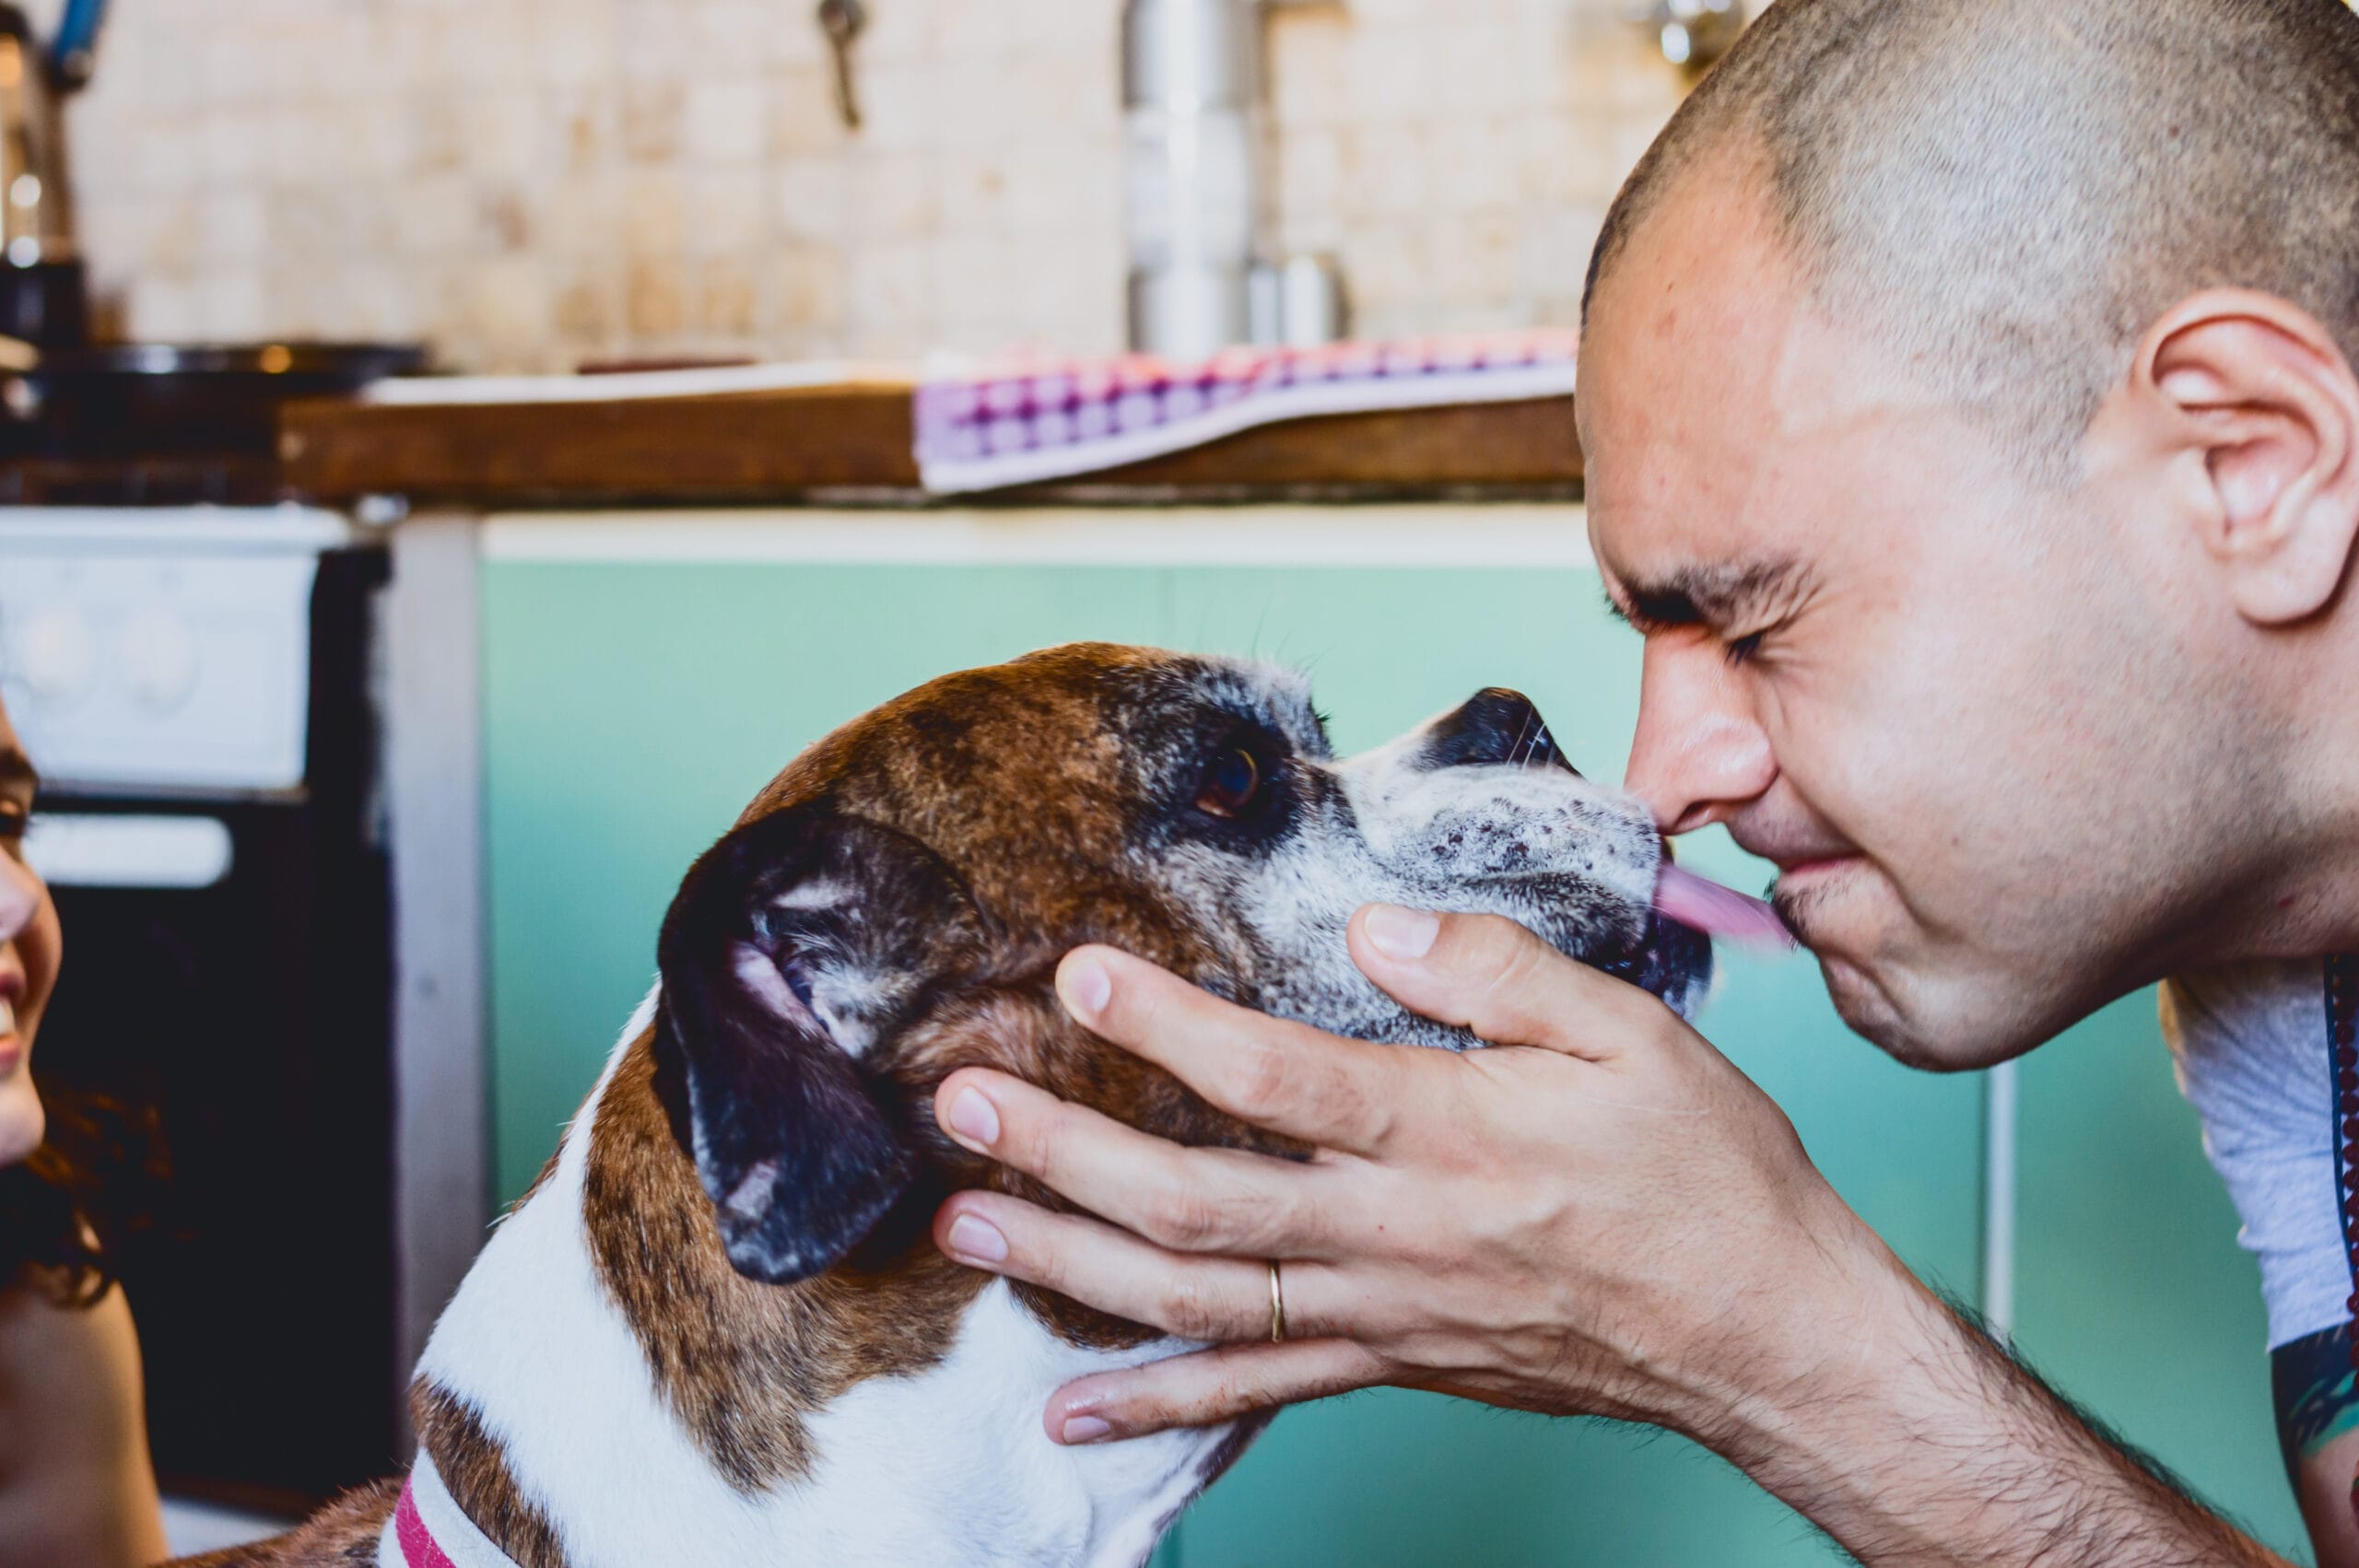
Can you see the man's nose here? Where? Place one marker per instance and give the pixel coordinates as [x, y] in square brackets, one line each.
[1700, 753]
[1496, 727]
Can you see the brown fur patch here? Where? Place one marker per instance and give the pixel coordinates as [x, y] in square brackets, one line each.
[342, 1535]
[473, 1469]
[743, 1363]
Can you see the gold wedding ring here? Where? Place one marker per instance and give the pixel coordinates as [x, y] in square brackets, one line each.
[1277, 1307]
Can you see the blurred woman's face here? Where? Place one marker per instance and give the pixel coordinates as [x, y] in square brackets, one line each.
[28, 954]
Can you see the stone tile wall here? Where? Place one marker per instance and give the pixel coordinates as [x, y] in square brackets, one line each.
[529, 183]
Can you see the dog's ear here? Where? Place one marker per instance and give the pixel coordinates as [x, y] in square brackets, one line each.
[794, 949]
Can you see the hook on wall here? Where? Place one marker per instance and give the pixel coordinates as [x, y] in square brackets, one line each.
[843, 21]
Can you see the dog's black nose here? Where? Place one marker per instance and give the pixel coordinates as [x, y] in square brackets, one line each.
[1496, 727]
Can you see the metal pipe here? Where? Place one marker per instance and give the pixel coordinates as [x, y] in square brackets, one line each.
[1191, 94]
[2000, 1103]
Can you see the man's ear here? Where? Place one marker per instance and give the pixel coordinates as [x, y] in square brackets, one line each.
[794, 949]
[2263, 396]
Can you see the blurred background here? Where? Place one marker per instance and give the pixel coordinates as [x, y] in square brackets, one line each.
[387, 668]
[530, 184]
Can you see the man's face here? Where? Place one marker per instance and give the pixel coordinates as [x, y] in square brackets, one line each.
[29, 955]
[1942, 698]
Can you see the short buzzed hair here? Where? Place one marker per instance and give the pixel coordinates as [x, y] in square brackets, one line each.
[2008, 193]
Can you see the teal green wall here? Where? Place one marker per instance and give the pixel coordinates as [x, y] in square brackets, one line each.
[2136, 1300]
[632, 710]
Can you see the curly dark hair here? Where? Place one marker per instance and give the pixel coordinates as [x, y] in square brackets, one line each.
[79, 1196]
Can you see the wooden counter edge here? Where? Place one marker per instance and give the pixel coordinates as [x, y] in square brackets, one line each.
[747, 448]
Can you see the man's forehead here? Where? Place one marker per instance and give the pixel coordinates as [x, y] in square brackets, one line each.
[1676, 403]
[1695, 268]
[1730, 431]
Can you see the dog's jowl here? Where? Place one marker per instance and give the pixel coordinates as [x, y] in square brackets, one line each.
[716, 1331]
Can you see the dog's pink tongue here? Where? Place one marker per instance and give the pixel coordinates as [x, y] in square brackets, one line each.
[1718, 911]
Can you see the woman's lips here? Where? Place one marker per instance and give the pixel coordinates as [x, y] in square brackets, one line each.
[1705, 906]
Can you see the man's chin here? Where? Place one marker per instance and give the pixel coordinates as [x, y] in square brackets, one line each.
[1835, 911]
[1864, 1007]
[1872, 1011]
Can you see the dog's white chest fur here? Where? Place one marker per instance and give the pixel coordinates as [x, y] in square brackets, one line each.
[951, 1465]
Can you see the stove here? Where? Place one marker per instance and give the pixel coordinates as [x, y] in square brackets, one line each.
[166, 650]
[206, 691]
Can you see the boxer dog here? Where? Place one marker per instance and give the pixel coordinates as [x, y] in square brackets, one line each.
[716, 1333]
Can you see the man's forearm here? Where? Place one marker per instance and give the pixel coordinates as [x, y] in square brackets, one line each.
[1930, 1445]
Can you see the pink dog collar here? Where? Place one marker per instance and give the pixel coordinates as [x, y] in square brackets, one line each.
[417, 1541]
[428, 1530]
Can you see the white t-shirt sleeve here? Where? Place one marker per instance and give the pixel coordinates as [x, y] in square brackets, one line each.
[2250, 1041]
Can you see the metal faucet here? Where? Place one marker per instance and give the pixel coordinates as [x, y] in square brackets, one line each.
[1693, 34]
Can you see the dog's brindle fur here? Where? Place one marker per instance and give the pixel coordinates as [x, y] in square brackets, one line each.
[752, 1179]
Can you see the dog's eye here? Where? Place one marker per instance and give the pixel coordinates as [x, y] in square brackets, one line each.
[1231, 784]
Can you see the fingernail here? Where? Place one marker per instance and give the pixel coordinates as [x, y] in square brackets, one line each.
[976, 1241]
[1402, 934]
[1085, 1429]
[1087, 987]
[974, 1118]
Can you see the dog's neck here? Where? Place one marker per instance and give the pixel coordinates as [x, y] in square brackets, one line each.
[584, 1407]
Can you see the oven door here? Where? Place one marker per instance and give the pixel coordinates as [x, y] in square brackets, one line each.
[225, 971]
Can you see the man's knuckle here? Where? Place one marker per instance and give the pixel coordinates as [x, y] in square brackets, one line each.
[1186, 1220]
[1487, 949]
[1043, 1267]
[1522, 958]
[1186, 1311]
[1251, 1391]
[1369, 1113]
[1042, 1149]
[1259, 1078]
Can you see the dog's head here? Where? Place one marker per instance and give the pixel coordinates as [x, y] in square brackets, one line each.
[893, 907]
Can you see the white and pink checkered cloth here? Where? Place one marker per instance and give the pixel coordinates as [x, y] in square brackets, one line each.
[1026, 423]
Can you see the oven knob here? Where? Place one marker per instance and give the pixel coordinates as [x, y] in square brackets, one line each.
[158, 660]
[55, 656]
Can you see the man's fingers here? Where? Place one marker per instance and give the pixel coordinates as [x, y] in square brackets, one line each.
[1209, 1386]
[1492, 975]
[1187, 1200]
[1338, 1093]
[1209, 1299]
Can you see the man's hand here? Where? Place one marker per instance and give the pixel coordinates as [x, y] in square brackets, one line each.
[1598, 1214]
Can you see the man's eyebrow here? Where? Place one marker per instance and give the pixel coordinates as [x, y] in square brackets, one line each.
[1705, 596]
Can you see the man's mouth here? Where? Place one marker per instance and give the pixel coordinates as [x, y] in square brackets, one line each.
[1811, 865]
